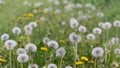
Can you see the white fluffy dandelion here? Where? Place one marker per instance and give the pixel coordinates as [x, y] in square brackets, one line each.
[33, 24]
[21, 51]
[75, 38]
[22, 58]
[37, 4]
[117, 51]
[97, 52]
[97, 30]
[52, 66]
[116, 23]
[53, 44]
[106, 25]
[68, 67]
[28, 29]
[31, 47]
[33, 66]
[16, 30]
[10, 44]
[4, 37]
[82, 29]
[46, 40]
[60, 52]
[90, 36]
[73, 23]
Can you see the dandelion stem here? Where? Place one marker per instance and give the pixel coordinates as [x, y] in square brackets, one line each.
[95, 63]
[22, 65]
[60, 63]
[10, 59]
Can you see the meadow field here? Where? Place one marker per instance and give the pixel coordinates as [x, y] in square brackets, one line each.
[59, 33]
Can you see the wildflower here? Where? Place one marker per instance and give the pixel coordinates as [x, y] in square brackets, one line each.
[31, 47]
[4, 37]
[73, 23]
[20, 18]
[42, 19]
[33, 24]
[37, 21]
[53, 44]
[106, 25]
[22, 38]
[68, 67]
[33, 66]
[27, 18]
[21, 51]
[100, 14]
[10, 44]
[16, 30]
[90, 36]
[2, 60]
[117, 51]
[28, 29]
[91, 61]
[84, 58]
[75, 38]
[37, 4]
[63, 23]
[30, 15]
[79, 63]
[44, 49]
[25, 14]
[97, 30]
[97, 52]
[100, 24]
[116, 23]
[22, 58]
[62, 41]
[46, 40]
[114, 65]
[82, 29]
[52, 66]
[60, 52]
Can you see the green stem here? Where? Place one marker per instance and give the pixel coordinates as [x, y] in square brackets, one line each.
[22, 65]
[60, 63]
[10, 59]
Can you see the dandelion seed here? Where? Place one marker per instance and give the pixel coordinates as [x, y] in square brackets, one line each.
[5, 37]
[33, 66]
[90, 36]
[21, 51]
[33, 24]
[82, 29]
[28, 29]
[106, 25]
[117, 51]
[46, 40]
[97, 52]
[22, 58]
[116, 23]
[16, 30]
[52, 66]
[75, 38]
[60, 52]
[10, 44]
[31, 47]
[53, 44]
[97, 30]
[68, 67]
[73, 23]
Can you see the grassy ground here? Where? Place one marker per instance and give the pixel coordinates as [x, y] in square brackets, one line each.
[12, 10]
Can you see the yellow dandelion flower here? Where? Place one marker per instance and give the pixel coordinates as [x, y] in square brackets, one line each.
[37, 21]
[20, 18]
[62, 41]
[84, 58]
[44, 49]
[2, 60]
[79, 63]
[91, 61]
[3, 46]
[25, 14]
[30, 15]
[115, 64]
[27, 18]
[22, 38]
